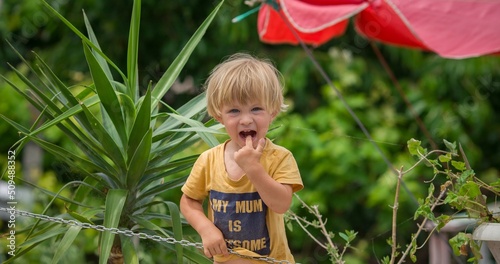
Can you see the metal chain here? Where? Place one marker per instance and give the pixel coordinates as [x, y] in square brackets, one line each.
[131, 233]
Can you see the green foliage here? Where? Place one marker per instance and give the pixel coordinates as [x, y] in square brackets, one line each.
[462, 191]
[127, 149]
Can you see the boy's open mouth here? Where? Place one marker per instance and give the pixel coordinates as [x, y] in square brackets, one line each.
[245, 134]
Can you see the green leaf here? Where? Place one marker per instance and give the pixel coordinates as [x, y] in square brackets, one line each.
[96, 48]
[107, 94]
[16, 125]
[129, 112]
[71, 159]
[188, 110]
[115, 201]
[20, 253]
[139, 161]
[459, 243]
[82, 192]
[192, 254]
[67, 98]
[467, 175]
[177, 227]
[56, 82]
[385, 260]
[111, 147]
[35, 88]
[470, 189]
[169, 168]
[162, 188]
[425, 211]
[210, 130]
[66, 242]
[42, 236]
[141, 125]
[194, 106]
[445, 158]
[133, 50]
[452, 147]
[172, 164]
[175, 68]
[415, 148]
[52, 112]
[155, 190]
[41, 100]
[48, 205]
[81, 218]
[169, 147]
[207, 137]
[344, 237]
[458, 165]
[72, 131]
[67, 114]
[149, 225]
[130, 255]
[442, 220]
[53, 194]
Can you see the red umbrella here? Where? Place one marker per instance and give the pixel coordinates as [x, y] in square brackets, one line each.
[450, 28]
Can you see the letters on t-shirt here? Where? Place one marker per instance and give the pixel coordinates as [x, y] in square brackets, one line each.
[242, 219]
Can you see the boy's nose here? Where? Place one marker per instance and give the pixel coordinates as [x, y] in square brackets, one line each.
[246, 120]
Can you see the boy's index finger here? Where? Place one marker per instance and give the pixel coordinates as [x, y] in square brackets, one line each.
[249, 141]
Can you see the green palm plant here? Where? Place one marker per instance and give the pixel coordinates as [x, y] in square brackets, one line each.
[129, 151]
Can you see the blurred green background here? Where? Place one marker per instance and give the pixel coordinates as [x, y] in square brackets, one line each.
[343, 173]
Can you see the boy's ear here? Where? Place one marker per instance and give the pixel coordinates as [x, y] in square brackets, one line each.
[219, 119]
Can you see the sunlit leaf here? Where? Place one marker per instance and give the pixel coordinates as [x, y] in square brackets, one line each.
[132, 52]
[66, 242]
[115, 201]
[415, 148]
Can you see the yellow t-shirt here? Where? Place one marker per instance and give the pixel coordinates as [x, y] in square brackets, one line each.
[236, 208]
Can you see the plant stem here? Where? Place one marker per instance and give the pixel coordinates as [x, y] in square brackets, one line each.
[394, 216]
[421, 227]
[333, 249]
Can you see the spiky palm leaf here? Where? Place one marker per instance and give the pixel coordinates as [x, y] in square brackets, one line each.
[128, 149]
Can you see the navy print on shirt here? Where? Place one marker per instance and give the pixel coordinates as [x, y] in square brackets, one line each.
[242, 219]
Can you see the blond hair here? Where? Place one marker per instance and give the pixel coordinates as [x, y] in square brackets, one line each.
[244, 78]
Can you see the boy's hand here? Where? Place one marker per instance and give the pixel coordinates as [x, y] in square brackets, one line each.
[248, 155]
[213, 242]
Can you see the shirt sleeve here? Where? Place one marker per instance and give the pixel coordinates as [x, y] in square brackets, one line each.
[284, 169]
[196, 186]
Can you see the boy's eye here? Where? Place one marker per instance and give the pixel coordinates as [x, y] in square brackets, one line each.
[233, 111]
[255, 109]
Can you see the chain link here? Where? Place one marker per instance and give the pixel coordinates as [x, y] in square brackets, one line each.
[130, 233]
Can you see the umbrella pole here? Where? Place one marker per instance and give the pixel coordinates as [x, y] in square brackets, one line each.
[386, 67]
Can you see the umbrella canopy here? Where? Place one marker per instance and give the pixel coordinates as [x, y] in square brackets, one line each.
[450, 28]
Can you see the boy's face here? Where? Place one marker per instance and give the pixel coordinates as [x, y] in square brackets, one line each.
[246, 119]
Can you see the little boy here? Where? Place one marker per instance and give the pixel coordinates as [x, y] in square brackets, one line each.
[248, 180]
